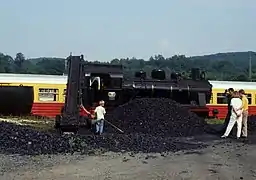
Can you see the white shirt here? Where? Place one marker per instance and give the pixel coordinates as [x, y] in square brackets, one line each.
[236, 103]
[100, 112]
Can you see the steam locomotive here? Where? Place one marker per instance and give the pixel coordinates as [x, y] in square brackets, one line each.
[88, 83]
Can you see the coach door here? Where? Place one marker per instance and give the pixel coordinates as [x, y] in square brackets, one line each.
[16, 100]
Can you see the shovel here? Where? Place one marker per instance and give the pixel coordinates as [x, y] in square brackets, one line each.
[120, 130]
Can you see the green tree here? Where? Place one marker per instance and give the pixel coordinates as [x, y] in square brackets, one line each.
[19, 59]
[6, 64]
[220, 66]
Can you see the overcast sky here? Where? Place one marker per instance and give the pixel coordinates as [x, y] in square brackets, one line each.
[103, 30]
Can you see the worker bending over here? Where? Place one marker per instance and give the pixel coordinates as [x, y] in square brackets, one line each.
[244, 108]
[100, 116]
[236, 115]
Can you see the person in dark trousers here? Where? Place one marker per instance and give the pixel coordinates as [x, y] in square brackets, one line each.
[229, 95]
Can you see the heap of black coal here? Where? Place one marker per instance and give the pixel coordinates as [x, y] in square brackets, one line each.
[16, 139]
[156, 116]
[149, 124]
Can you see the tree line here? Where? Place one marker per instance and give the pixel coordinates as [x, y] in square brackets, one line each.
[222, 66]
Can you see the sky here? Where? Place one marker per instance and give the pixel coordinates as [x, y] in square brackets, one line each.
[103, 30]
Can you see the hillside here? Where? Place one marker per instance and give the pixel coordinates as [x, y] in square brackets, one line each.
[220, 66]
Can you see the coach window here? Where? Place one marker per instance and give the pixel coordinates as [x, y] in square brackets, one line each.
[50, 95]
[221, 98]
[249, 97]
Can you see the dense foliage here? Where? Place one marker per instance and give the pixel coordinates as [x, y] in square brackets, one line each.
[221, 66]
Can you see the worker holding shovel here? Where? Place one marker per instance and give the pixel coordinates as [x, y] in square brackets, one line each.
[100, 116]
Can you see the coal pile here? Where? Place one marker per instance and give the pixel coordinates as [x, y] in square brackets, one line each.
[15, 139]
[150, 125]
[156, 117]
[135, 143]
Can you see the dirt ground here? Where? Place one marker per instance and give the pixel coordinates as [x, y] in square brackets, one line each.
[222, 159]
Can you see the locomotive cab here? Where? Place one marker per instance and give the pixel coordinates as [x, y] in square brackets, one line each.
[88, 83]
[102, 82]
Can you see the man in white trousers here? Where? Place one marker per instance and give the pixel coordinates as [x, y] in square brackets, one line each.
[236, 116]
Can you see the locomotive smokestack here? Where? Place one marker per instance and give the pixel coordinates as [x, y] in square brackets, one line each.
[195, 73]
[158, 74]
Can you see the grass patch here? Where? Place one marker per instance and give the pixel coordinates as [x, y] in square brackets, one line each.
[41, 124]
[214, 121]
[45, 124]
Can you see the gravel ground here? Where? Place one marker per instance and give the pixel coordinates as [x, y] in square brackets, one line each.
[222, 159]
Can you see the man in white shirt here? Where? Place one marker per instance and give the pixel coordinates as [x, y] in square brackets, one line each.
[236, 115]
[100, 116]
